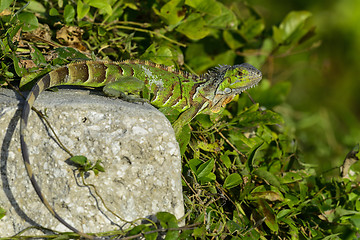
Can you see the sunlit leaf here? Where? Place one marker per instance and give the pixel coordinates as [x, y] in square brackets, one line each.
[35, 6]
[69, 13]
[101, 4]
[82, 9]
[233, 39]
[252, 28]
[184, 138]
[29, 20]
[232, 180]
[226, 20]
[37, 56]
[270, 219]
[211, 7]
[291, 26]
[269, 177]
[81, 160]
[205, 168]
[210, 147]
[267, 195]
[194, 27]
[20, 71]
[173, 11]
[250, 118]
[70, 53]
[53, 12]
[2, 213]
[168, 220]
[5, 4]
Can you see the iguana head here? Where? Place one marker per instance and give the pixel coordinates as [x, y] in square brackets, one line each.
[233, 80]
[238, 78]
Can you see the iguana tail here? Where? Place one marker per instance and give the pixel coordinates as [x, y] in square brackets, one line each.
[40, 86]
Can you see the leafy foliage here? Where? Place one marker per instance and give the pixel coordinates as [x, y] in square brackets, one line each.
[243, 174]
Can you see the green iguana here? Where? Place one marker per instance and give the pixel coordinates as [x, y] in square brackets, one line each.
[160, 85]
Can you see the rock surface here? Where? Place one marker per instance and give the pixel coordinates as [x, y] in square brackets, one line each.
[135, 142]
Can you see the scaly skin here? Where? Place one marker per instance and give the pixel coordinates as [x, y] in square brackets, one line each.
[160, 85]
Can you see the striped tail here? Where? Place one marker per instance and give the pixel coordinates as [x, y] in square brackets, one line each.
[40, 86]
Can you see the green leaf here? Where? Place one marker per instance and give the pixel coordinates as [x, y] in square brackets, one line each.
[259, 59]
[186, 234]
[283, 213]
[232, 180]
[251, 118]
[211, 7]
[226, 20]
[184, 138]
[151, 236]
[200, 232]
[70, 53]
[356, 151]
[98, 166]
[269, 177]
[249, 162]
[29, 20]
[205, 169]
[199, 58]
[5, 4]
[69, 13]
[267, 211]
[79, 159]
[233, 39]
[160, 54]
[252, 27]
[210, 147]
[170, 113]
[194, 27]
[18, 69]
[267, 195]
[36, 6]
[355, 219]
[82, 9]
[290, 177]
[137, 229]
[204, 121]
[272, 95]
[194, 163]
[53, 12]
[2, 212]
[28, 78]
[168, 220]
[357, 204]
[225, 159]
[291, 27]
[37, 56]
[173, 12]
[102, 5]
[233, 226]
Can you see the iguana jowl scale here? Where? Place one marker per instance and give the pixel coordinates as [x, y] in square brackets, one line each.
[160, 85]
